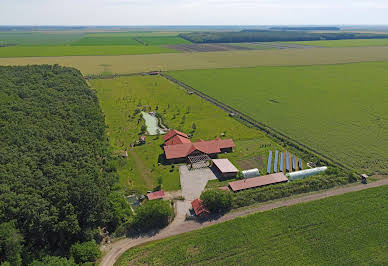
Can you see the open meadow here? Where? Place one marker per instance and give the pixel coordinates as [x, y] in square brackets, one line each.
[350, 229]
[338, 110]
[179, 61]
[121, 97]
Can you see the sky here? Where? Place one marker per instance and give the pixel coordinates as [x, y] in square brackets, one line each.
[193, 12]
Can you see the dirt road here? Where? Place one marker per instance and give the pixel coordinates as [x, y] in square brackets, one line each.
[180, 226]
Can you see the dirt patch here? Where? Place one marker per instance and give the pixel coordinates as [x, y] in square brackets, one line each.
[252, 162]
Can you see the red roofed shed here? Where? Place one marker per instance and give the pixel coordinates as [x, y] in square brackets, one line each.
[155, 195]
[199, 208]
[173, 133]
[258, 182]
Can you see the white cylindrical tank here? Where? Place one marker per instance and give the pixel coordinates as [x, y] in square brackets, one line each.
[305, 173]
[251, 173]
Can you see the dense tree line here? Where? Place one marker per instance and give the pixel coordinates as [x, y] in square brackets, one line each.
[272, 36]
[57, 180]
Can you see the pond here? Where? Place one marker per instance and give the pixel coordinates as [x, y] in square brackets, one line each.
[152, 124]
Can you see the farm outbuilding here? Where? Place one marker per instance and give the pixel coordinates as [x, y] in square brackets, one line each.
[257, 182]
[251, 173]
[155, 195]
[199, 208]
[225, 168]
[305, 173]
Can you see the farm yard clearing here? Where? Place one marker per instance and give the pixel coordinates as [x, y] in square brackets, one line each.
[122, 100]
[125, 64]
[336, 109]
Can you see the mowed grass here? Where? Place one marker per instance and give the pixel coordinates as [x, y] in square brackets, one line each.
[179, 61]
[163, 40]
[68, 50]
[347, 43]
[350, 229]
[338, 110]
[111, 40]
[120, 97]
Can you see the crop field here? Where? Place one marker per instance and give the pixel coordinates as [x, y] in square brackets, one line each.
[111, 40]
[163, 40]
[338, 110]
[68, 50]
[39, 38]
[350, 229]
[119, 99]
[181, 61]
[347, 43]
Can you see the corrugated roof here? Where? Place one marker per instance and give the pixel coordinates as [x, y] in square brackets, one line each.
[199, 208]
[172, 133]
[258, 181]
[155, 195]
[225, 166]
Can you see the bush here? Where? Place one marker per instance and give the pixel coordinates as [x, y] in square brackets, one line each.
[85, 252]
[53, 261]
[216, 200]
[152, 215]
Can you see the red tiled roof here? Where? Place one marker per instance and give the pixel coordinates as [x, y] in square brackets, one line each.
[172, 133]
[177, 139]
[199, 208]
[208, 147]
[155, 195]
[258, 181]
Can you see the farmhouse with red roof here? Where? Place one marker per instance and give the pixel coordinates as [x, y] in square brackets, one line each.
[177, 146]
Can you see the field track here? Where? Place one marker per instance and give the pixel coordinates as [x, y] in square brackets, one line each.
[125, 64]
[252, 122]
[180, 227]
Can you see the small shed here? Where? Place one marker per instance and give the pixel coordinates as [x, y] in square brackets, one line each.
[155, 195]
[251, 173]
[225, 168]
[199, 208]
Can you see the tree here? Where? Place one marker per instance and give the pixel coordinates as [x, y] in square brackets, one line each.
[217, 200]
[10, 244]
[152, 215]
[143, 129]
[194, 127]
[85, 252]
[53, 261]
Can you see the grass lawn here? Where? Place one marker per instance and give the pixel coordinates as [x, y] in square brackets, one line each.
[120, 97]
[68, 50]
[347, 43]
[181, 61]
[350, 229]
[339, 110]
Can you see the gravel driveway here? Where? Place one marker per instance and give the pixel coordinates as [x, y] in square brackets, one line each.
[193, 182]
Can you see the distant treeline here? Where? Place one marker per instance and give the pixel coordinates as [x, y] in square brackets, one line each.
[304, 28]
[273, 36]
[57, 179]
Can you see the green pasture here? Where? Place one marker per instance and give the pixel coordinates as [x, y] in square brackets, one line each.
[338, 110]
[68, 50]
[163, 40]
[350, 229]
[39, 38]
[347, 43]
[119, 99]
[111, 40]
[134, 34]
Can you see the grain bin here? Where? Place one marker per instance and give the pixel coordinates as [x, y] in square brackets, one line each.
[305, 173]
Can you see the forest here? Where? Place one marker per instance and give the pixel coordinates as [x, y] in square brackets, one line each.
[273, 36]
[58, 185]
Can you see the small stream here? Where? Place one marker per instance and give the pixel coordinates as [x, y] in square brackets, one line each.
[152, 124]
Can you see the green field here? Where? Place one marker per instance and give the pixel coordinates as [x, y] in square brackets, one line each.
[161, 40]
[338, 110]
[111, 40]
[350, 229]
[347, 43]
[120, 97]
[39, 38]
[67, 50]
